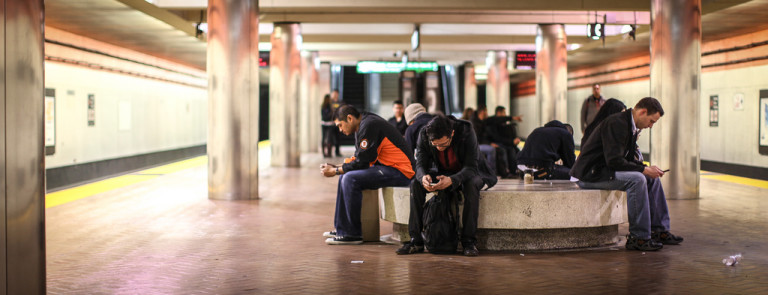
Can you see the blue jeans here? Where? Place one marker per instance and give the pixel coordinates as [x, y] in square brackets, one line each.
[349, 197]
[490, 154]
[646, 202]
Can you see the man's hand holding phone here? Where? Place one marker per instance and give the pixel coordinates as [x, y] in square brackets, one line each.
[440, 182]
[653, 172]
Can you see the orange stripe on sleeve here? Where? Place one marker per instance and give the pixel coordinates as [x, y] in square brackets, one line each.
[392, 156]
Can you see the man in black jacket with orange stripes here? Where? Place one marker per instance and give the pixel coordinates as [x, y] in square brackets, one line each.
[382, 159]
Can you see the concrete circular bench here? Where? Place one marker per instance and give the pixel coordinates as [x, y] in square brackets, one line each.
[516, 216]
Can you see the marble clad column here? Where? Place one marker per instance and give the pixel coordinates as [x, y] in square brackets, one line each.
[497, 83]
[22, 152]
[284, 92]
[552, 73]
[675, 82]
[324, 79]
[233, 95]
[309, 104]
[470, 86]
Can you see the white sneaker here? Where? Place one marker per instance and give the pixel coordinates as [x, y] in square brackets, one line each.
[330, 234]
[344, 241]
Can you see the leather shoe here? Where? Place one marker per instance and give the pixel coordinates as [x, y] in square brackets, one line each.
[666, 238]
[410, 248]
[471, 250]
[635, 243]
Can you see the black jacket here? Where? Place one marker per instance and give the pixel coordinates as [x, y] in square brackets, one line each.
[412, 133]
[609, 149]
[464, 144]
[501, 130]
[376, 141]
[401, 126]
[480, 131]
[545, 145]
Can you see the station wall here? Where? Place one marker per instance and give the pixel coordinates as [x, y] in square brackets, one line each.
[132, 115]
[117, 110]
[733, 141]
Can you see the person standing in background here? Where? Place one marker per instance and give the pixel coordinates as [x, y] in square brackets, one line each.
[590, 106]
[328, 127]
[468, 114]
[398, 120]
[335, 104]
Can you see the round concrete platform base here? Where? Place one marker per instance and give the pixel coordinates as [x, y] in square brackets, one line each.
[547, 239]
[530, 239]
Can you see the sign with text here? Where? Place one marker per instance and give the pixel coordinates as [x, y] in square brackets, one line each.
[763, 132]
[382, 67]
[50, 121]
[525, 60]
[263, 59]
[714, 109]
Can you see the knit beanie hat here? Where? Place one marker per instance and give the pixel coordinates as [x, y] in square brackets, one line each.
[412, 111]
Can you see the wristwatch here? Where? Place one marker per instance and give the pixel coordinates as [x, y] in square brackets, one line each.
[337, 171]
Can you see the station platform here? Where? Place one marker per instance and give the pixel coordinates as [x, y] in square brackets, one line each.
[156, 232]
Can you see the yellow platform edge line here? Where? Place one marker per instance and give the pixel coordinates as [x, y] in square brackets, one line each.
[87, 190]
[738, 180]
[176, 166]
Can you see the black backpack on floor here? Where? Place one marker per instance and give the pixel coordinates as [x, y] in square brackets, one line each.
[441, 225]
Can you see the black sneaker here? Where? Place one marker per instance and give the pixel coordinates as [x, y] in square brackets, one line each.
[471, 250]
[329, 234]
[666, 238]
[410, 248]
[634, 243]
[341, 240]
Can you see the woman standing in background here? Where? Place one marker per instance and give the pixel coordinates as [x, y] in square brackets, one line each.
[326, 114]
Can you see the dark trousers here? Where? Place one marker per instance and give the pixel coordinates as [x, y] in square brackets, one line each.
[556, 172]
[511, 153]
[349, 197]
[471, 191]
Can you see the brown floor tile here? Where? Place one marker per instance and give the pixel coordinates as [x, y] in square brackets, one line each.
[164, 236]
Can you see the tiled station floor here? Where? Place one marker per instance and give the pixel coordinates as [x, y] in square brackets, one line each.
[162, 235]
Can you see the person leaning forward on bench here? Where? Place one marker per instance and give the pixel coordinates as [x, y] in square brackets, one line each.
[382, 159]
[607, 161]
[451, 145]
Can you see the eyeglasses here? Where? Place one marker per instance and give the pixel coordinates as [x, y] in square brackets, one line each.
[445, 144]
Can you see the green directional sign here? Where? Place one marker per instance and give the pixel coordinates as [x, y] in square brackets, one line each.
[368, 67]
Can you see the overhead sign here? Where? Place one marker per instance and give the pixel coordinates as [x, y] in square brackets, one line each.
[525, 60]
[368, 67]
[263, 58]
[415, 38]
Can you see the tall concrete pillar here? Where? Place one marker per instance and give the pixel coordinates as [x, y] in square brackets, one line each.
[552, 73]
[675, 82]
[470, 86]
[309, 103]
[284, 88]
[497, 83]
[373, 92]
[324, 79]
[233, 99]
[22, 182]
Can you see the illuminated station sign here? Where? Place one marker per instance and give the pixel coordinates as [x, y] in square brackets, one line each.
[525, 60]
[381, 67]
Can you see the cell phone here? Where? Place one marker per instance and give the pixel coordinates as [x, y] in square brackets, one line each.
[665, 171]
